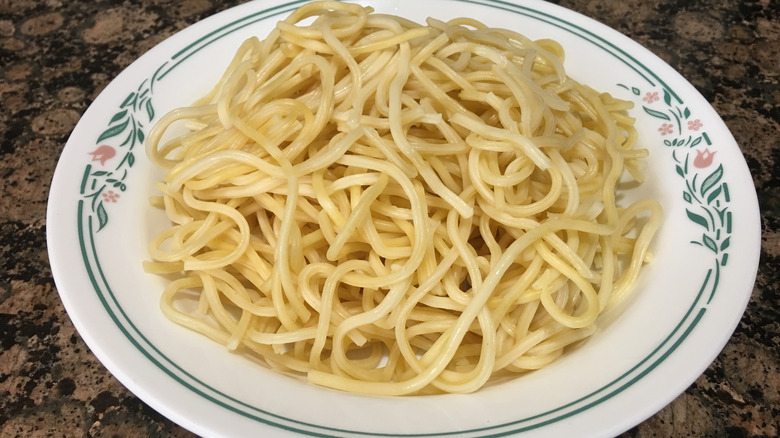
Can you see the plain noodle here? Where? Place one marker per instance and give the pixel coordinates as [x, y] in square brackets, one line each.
[391, 208]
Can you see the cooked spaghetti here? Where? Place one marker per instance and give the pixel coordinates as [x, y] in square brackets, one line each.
[394, 208]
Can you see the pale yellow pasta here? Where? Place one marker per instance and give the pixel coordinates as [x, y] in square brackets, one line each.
[393, 208]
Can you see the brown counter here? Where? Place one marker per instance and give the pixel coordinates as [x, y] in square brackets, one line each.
[56, 56]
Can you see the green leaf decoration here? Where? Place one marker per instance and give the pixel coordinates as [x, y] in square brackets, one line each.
[705, 192]
[130, 159]
[722, 215]
[100, 173]
[113, 131]
[149, 109]
[127, 139]
[714, 194]
[728, 222]
[697, 219]
[656, 114]
[102, 216]
[140, 135]
[128, 99]
[709, 243]
[118, 116]
[712, 180]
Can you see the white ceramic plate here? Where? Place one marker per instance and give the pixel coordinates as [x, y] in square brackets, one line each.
[688, 302]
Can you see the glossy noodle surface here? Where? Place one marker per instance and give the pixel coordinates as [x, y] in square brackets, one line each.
[395, 208]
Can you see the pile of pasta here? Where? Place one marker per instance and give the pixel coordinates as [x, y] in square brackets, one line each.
[392, 208]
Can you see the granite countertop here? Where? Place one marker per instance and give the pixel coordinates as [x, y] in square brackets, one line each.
[56, 56]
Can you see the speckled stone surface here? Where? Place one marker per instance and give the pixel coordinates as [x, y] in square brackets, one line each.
[56, 56]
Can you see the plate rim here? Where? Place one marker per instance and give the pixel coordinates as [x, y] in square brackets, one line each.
[279, 9]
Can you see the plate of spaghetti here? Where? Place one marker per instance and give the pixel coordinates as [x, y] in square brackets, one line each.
[403, 219]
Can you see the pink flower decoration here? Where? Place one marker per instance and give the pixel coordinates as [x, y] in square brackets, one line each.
[110, 196]
[651, 97]
[703, 158]
[666, 128]
[102, 154]
[695, 125]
